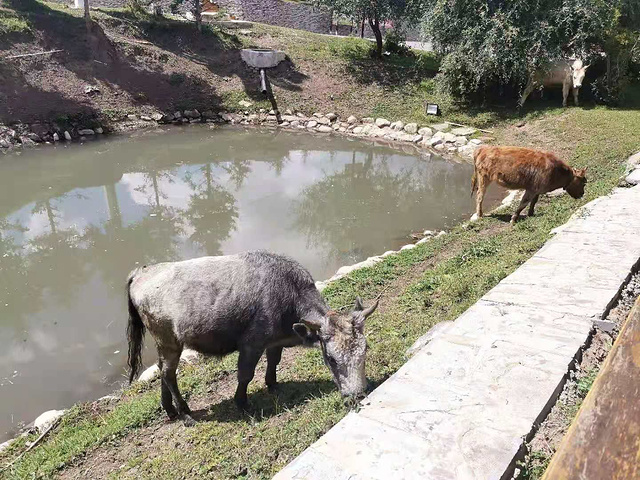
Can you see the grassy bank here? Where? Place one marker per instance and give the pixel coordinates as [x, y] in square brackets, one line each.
[436, 281]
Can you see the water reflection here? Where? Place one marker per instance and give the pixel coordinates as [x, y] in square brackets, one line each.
[74, 221]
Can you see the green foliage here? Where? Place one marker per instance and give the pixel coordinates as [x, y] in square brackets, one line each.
[489, 44]
[394, 42]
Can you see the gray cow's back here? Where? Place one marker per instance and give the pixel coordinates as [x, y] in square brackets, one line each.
[214, 304]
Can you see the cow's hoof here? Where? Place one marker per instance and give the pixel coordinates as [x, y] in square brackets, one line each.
[188, 420]
[172, 415]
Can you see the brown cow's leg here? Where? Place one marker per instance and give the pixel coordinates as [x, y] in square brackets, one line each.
[575, 95]
[526, 198]
[247, 361]
[565, 93]
[533, 204]
[482, 188]
[170, 360]
[274, 355]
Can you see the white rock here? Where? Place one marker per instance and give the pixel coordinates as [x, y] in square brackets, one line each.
[367, 120]
[99, 130]
[56, 137]
[345, 270]
[336, 127]
[7, 444]
[474, 218]
[321, 285]
[475, 141]
[157, 116]
[318, 115]
[439, 147]
[46, 419]
[434, 141]
[366, 129]
[245, 103]
[399, 125]
[342, 129]
[416, 138]
[295, 123]
[358, 130]
[86, 131]
[461, 141]
[132, 117]
[428, 233]
[440, 233]
[633, 161]
[388, 252]
[145, 118]
[423, 240]
[149, 374]
[325, 129]
[331, 116]
[411, 246]
[440, 127]
[556, 193]
[634, 177]
[312, 124]
[449, 138]
[67, 136]
[382, 122]
[351, 120]
[189, 356]
[426, 132]
[464, 131]
[411, 128]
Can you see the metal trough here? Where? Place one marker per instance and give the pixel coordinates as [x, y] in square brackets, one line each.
[262, 59]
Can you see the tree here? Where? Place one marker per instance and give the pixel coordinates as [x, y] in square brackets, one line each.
[376, 13]
[87, 16]
[497, 43]
[197, 12]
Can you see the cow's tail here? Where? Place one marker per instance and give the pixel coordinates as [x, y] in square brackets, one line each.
[135, 335]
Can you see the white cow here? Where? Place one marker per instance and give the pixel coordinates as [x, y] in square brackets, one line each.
[562, 72]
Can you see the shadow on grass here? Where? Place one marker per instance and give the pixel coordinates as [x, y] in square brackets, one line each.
[263, 404]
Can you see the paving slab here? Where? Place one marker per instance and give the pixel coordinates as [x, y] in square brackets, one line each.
[462, 404]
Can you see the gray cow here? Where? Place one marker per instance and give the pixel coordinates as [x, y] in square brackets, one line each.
[569, 75]
[248, 303]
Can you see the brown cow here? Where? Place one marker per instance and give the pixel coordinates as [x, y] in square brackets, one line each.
[534, 171]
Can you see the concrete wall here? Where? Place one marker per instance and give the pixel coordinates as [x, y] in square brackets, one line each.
[281, 13]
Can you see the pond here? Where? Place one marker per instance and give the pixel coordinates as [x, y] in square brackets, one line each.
[75, 219]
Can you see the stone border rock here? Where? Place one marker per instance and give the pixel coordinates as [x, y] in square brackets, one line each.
[440, 138]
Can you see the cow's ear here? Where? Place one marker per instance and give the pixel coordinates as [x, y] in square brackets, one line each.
[307, 335]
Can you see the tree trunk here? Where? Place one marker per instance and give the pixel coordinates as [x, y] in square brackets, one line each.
[87, 17]
[375, 27]
[198, 15]
[362, 28]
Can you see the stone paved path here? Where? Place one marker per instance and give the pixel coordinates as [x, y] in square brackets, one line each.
[461, 406]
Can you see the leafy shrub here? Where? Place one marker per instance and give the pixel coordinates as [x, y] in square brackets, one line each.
[491, 46]
[394, 42]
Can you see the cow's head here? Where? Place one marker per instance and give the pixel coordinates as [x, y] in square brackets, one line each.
[343, 345]
[577, 183]
[578, 70]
